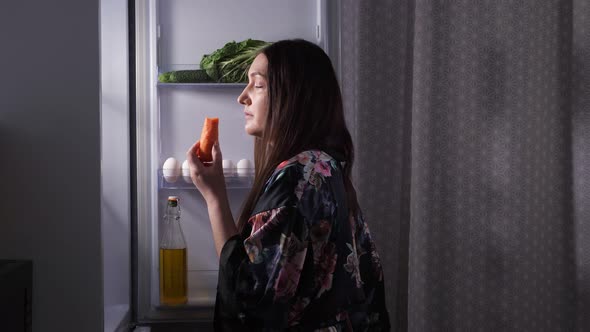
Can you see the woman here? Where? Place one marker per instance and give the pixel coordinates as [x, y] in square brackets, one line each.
[301, 257]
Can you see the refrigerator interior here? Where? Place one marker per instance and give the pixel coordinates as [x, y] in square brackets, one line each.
[174, 35]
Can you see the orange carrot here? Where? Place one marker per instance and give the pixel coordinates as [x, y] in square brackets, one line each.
[209, 136]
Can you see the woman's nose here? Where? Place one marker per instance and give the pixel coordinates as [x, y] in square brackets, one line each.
[243, 98]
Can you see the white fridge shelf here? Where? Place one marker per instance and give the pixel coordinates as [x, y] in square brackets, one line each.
[234, 179]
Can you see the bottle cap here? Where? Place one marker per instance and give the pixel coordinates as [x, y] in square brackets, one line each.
[173, 198]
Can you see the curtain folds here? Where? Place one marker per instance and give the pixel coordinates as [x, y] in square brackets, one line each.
[472, 133]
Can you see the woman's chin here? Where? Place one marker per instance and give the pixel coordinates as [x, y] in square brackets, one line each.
[252, 131]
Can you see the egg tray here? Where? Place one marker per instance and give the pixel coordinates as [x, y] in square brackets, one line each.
[233, 180]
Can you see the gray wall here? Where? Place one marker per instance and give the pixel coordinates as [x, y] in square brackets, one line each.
[50, 156]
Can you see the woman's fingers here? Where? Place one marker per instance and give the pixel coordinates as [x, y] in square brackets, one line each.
[192, 151]
[191, 156]
[209, 180]
[216, 154]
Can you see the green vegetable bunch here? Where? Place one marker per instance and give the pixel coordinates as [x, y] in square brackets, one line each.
[230, 63]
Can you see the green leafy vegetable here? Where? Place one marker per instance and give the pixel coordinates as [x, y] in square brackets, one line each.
[230, 63]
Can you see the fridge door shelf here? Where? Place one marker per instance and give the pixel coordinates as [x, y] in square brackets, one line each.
[234, 179]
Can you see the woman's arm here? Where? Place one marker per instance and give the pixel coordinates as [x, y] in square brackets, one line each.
[222, 222]
[209, 179]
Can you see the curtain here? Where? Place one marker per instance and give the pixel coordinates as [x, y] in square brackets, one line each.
[472, 133]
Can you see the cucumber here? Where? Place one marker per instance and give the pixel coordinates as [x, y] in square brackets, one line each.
[164, 77]
[189, 76]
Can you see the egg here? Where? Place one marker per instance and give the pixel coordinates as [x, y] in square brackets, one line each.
[171, 169]
[186, 169]
[227, 164]
[170, 178]
[186, 172]
[244, 167]
[171, 164]
[228, 167]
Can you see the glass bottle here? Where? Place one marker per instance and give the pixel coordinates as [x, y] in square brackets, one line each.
[173, 269]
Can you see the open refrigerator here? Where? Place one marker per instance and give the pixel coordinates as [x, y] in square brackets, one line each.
[167, 119]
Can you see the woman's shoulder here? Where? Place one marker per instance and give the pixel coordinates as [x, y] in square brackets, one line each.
[307, 167]
[307, 158]
[304, 165]
[298, 179]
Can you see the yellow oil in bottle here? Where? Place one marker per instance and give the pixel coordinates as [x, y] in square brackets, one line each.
[173, 275]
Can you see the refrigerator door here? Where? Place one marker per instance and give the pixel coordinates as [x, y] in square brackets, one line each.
[115, 165]
[174, 35]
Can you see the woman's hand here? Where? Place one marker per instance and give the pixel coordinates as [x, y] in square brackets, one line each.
[208, 177]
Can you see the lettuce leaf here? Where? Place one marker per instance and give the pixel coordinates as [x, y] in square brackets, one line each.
[230, 63]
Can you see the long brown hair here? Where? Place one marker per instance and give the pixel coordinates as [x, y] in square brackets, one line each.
[305, 112]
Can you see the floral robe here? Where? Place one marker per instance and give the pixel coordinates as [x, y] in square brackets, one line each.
[302, 263]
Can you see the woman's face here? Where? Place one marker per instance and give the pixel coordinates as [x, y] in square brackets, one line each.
[255, 96]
